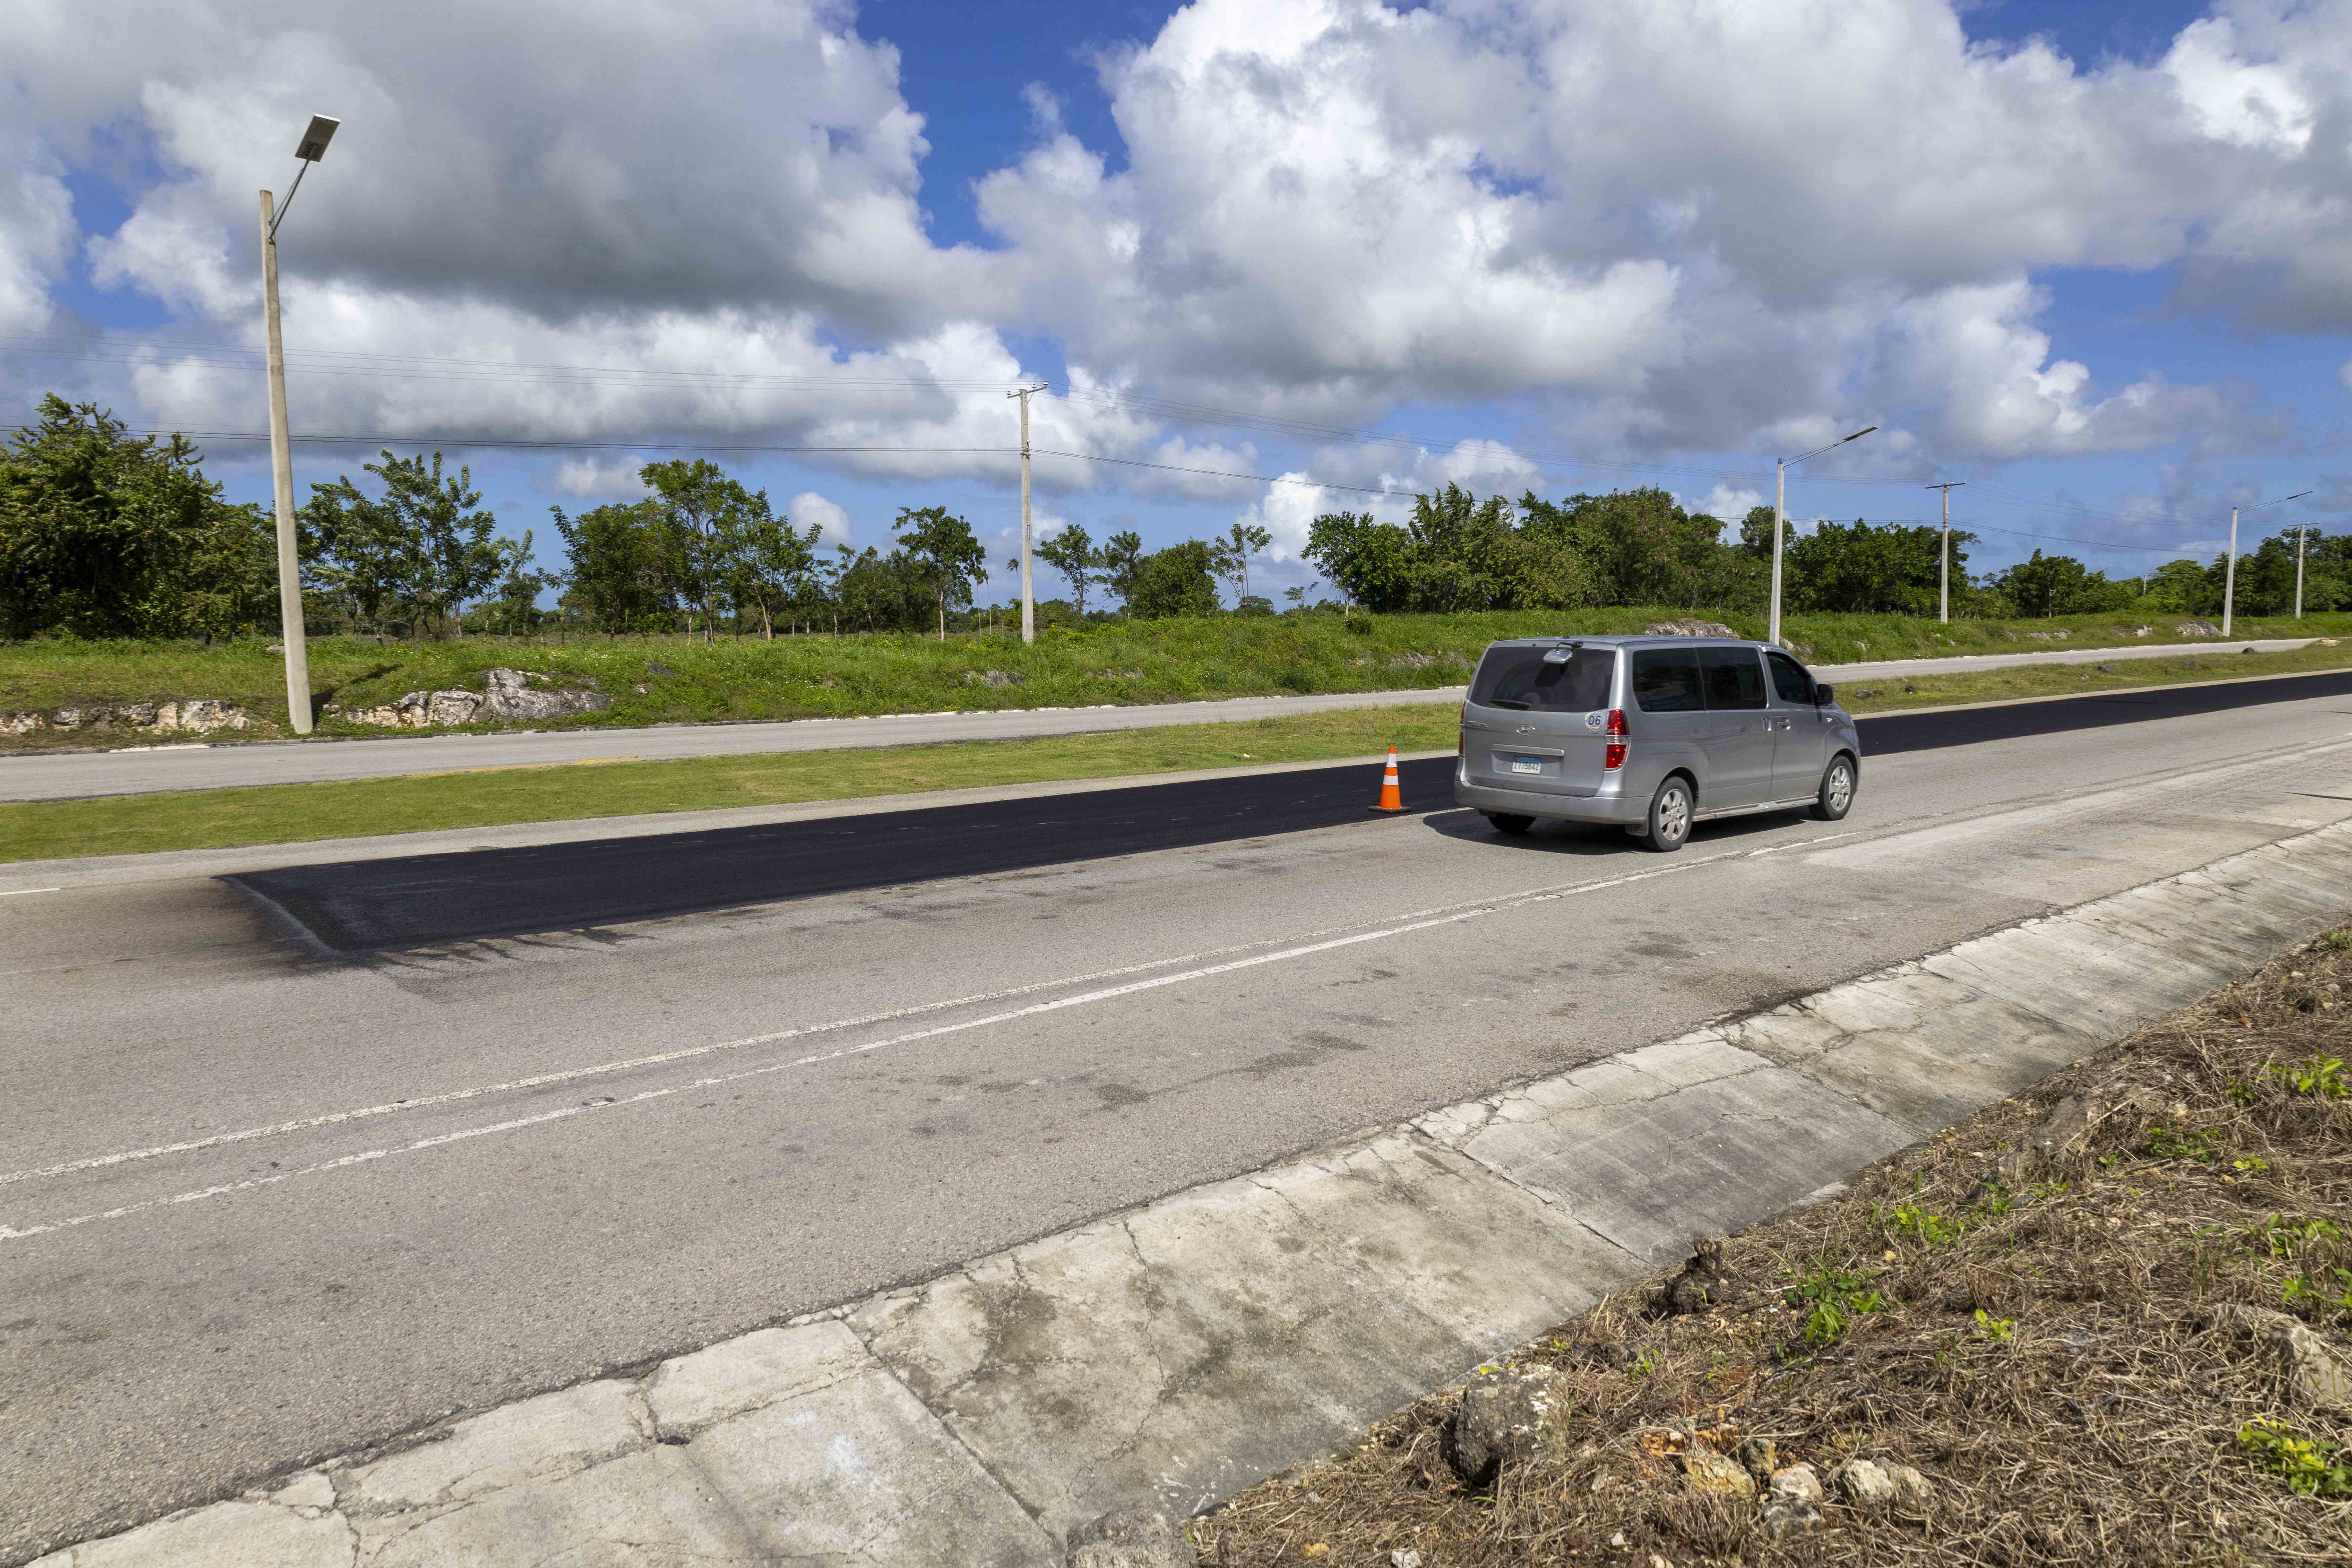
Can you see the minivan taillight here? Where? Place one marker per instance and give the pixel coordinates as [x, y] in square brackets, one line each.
[1616, 757]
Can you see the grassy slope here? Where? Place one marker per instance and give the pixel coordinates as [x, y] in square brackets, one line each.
[194, 819]
[814, 677]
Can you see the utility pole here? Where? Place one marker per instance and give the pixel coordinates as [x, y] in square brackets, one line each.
[1780, 520]
[2301, 535]
[1028, 597]
[311, 147]
[2230, 576]
[1945, 615]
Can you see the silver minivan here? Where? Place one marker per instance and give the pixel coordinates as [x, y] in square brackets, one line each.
[1653, 734]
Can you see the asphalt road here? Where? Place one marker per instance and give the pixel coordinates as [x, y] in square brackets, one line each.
[199, 765]
[261, 1205]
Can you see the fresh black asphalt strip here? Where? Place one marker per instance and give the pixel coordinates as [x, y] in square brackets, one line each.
[433, 901]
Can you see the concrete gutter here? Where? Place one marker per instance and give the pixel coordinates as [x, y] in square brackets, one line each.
[1174, 1354]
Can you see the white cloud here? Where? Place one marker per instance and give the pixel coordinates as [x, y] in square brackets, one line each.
[36, 237]
[833, 522]
[597, 479]
[1727, 503]
[1714, 225]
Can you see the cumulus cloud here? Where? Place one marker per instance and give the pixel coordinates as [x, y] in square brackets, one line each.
[832, 521]
[596, 478]
[1719, 224]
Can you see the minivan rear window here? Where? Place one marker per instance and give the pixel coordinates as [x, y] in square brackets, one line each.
[1665, 680]
[1518, 677]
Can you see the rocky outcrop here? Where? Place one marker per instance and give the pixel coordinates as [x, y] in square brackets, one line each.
[508, 695]
[193, 716]
[1688, 628]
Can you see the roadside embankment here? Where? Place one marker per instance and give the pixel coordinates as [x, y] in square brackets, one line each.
[362, 686]
[2103, 1321]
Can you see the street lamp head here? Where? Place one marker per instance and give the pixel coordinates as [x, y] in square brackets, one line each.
[1858, 435]
[315, 139]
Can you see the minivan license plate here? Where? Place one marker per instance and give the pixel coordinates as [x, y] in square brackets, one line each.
[1526, 764]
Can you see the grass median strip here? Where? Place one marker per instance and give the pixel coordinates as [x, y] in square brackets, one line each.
[2119, 674]
[285, 813]
[620, 786]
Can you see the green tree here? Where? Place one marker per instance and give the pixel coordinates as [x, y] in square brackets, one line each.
[1073, 554]
[1122, 554]
[1860, 569]
[706, 517]
[1230, 553]
[943, 548]
[513, 606]
[619, 573]
[107, 534]
[770, 563]
[1173, 582]
[2056, 585]
[420, 550]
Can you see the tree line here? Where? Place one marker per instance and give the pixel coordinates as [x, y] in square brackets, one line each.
[104, 533]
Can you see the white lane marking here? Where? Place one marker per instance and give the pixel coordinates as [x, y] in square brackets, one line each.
[1035, 1009]
[19, 892]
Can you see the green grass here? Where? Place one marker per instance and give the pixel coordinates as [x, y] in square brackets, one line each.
[276, 814]
[2075, 679]
[285, 813]
[811, 677]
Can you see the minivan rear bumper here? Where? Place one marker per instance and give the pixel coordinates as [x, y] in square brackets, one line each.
[1607, 806]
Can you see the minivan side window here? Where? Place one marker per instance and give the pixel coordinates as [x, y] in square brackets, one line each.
[1790, 680]
[1733, 677]
[1518, 677]
[1665, 680]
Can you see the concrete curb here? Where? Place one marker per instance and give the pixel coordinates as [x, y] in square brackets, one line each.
[1170, 1355]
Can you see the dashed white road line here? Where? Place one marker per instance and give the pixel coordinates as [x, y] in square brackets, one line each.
[1453, 916]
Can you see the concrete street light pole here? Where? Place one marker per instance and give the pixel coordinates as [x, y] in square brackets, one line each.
[313, 147]
[2229, 576]
[1028, 596]
[1944, 566]
[1781, 520]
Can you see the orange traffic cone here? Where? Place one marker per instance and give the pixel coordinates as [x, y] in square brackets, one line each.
[1392, 796]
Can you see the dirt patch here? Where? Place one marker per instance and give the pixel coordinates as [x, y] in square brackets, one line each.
[2092, 1324]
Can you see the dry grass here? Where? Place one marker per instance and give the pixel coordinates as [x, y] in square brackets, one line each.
[2058, 1359]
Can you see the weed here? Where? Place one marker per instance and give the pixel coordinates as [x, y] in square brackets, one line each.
[1929, 1229]
[2338, 940]
[2251, 1166]
[2282, 1238]
[2170, 1143]
[2312, 1466]
[1832, 1299]
[1994, 1330]
[2322, 1076]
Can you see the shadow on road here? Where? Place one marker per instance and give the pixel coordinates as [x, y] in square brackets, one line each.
[434, 900]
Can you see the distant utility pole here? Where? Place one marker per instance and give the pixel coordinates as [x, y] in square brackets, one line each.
[1948, 487]
[313, 147]
[2229, 577]
[2301, 535]
[1028, 599]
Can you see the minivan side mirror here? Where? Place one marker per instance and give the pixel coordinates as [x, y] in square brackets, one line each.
[1823, 693]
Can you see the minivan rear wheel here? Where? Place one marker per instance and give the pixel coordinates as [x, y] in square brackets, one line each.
[1837, 790]
[1669, 822]
[1510, 823]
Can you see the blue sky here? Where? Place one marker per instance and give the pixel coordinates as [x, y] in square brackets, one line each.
[2080, 257]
